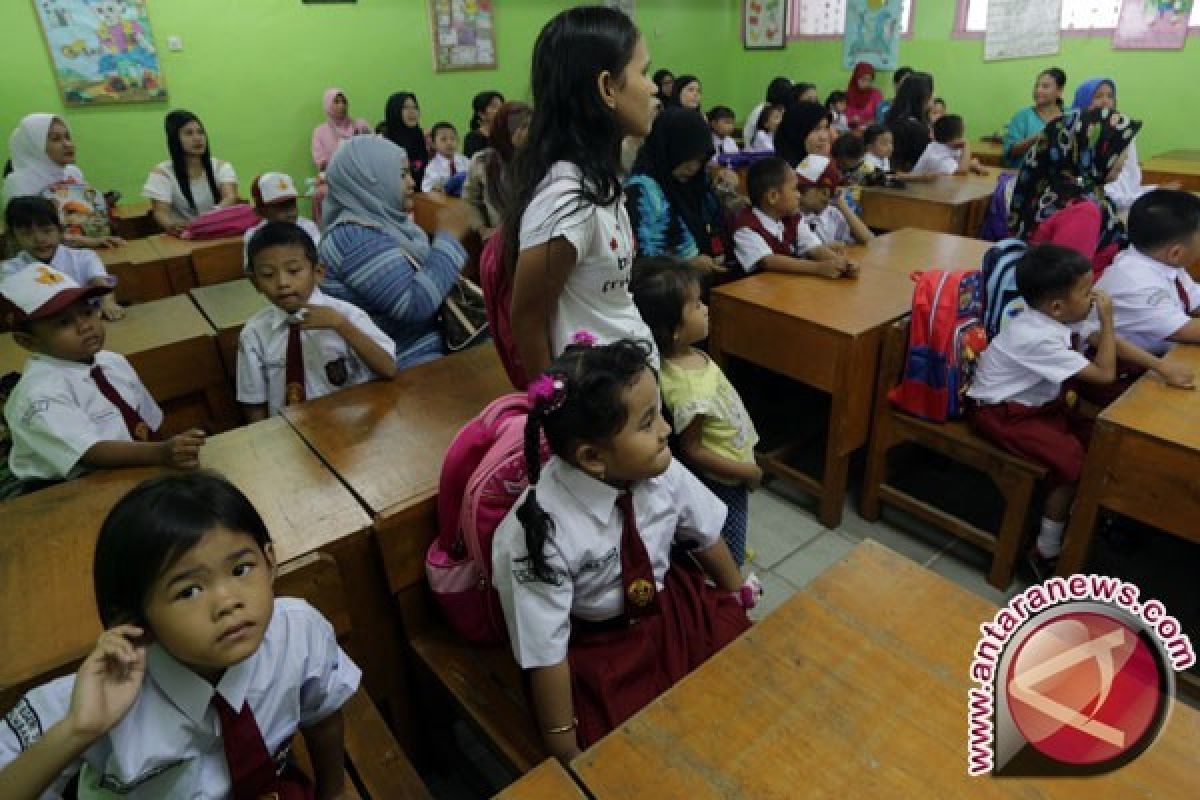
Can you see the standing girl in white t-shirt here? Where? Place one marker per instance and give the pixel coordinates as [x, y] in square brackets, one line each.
[192, 182]
[573, 246]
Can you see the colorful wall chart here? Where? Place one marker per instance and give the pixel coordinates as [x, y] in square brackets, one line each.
[464, 34]
[764, 24]
[873, 33]
[1152, 25]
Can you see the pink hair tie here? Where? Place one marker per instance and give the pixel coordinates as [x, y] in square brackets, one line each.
[548, 392]
[584, 338]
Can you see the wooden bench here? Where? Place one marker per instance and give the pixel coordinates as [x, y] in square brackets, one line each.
[1014, 477]
[547, 781]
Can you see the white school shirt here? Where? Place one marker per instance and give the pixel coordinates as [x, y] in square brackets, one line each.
[162, 185]
[55, 413]
[752, 120]
[306, 224]
[763, 143]
[937, 159]
[880, 164]
[750, 248]
[330, 363]
[724, 146]
[83, 266]
[596, 296]
[1028, 361]
[437, 172]
[830, 226]
[1128, 186]
[584, 551]
[168, 745]
[1147, 308]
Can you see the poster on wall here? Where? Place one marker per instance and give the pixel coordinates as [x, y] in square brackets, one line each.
[1152, 25]
[102, 51]
[764, 24]
[464, 34]
[1022, 29]
[872, 33]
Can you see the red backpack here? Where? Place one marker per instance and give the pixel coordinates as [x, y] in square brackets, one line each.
[497, 300]
[945, 337]
[221, 222]
[482, 477]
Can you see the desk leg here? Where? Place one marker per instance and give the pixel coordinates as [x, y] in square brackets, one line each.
[849, 420]
[1082, 525]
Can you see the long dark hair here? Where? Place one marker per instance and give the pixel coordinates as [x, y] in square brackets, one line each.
[570, 121]
[660, 76]
[779, 91]
[799, 121]
[174, 123]
[509, 119]
[912, 99]
[594, 379]
[1059, 77]
[149, 528]
[479, 104]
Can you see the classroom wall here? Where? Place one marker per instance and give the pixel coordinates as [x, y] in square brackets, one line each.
[255, 72]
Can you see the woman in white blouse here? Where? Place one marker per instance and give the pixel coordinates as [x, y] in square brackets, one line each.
[192, 181]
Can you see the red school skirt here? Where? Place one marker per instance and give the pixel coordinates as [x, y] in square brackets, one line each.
[617, 667]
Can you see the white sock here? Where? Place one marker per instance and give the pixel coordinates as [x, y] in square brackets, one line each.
[1049, 540]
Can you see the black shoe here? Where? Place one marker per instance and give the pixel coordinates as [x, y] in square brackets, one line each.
[1042, 567]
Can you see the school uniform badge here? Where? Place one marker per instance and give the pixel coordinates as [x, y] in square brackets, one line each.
[337, 372]
[640, 593]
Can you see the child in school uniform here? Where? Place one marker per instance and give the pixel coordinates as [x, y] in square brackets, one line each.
[201, 677]
[1017, 391]
[763, 139]
[600, 616]
[37, 230]
[879, 143]
[77, 406]
[948, 153]
[275, 198]
[716, 435]
[720, 120]
[771, 236]
[823, 205]
[306, 344]
[836, 103]
[447, 162]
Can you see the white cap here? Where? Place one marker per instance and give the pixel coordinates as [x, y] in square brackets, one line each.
[272, 187]
[40, 291]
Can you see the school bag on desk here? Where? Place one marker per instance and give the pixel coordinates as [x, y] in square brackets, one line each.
[221, 222]
[945, 338]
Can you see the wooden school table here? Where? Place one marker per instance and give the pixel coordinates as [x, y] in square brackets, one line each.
[173, 349]
[948, 204]
[1178, 165]
[989, 152]
[141, 275]
[547, 781]
[134, 220]
[912, 250]
[856, 687]
[824, 333]
[227, 306]
[184, 258]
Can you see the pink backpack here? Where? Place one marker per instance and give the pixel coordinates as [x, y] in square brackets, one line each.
[222, 222]
[497, 300]
[482, 477]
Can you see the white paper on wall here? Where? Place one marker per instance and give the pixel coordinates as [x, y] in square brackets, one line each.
[1022, 28]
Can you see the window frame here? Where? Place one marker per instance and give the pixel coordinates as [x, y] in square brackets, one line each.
[837, 37]
[960, 27]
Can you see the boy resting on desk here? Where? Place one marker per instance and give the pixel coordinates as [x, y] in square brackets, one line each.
[77, 406]
[306, 344]
[948, 153]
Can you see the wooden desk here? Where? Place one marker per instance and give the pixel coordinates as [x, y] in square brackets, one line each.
[1143, 461]
[912, 249]
[989, 152]
[1181, 155]
[135, 220]
[1179, 166]
[949, 204]
[547, 781]
[179, 257]
[173, 349]
[386, 439]
[824, 333]
[850, 689]
[227, 306]
[140, 276]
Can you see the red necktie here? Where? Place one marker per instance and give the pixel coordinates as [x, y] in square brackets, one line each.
[453, 169]
[294, 369]
[137, 427]
[251, 768]
[1183, 295]
[637, 573]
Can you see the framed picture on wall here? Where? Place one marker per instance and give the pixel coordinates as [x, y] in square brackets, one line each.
[463, 34]
[764, 24]
[102, 51]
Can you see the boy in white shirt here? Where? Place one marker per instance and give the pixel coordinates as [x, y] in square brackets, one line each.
[77, 407]
[275, 199]
[1018, 402]
[448, 162]
[720, 121]
[948, 153]
[834, 223]
[770, 235]
[37, 230]
[306, 344]
[879, 143]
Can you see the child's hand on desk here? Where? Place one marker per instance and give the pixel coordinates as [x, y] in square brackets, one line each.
[107, 683]
[849, 269]
[110, 309]
[1177, 375]
[183, 450]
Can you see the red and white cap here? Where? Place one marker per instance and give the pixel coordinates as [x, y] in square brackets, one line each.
[273, 187]
[39, 291]
[818, 171]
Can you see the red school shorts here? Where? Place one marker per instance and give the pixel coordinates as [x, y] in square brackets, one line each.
[1053, 435]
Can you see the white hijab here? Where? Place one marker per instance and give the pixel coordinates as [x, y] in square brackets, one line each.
[33, 170]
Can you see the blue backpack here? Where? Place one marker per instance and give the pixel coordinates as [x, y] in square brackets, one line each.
[1002, 301]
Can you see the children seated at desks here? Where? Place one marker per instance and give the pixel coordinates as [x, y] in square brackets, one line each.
[879, 143]
[763, 140]
[937, 110]
[770, 234]
[34, 224]
[948, 153]
[587, 551]
[275, 196]
[201, 677]
[1018, 402]
[836, 103]
[77, 406]
[850, 156]
[834, 223]
[448, 162]
[716, 435]
[720, 120]
[306, 344]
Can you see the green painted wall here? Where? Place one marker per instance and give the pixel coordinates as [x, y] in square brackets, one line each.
[254, 70]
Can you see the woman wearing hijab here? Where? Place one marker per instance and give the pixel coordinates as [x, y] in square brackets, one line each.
[664, 79]
[862, 98]
[337, 127]
[1058, 196]
[670, 198]
[804, 130]
[402, 126]
[687, 93]
[377, 258]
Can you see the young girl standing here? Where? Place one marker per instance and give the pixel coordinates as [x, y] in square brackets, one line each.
[201, 677]
[569, 236]
[598, 613]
